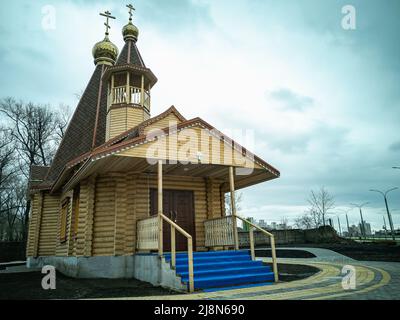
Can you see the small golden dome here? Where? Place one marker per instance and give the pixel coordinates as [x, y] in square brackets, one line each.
[105, 52]
[130, 32]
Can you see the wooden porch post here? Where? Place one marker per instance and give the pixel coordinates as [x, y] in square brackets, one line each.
[251, 238]
[112, 91]
[233, 207]
[160, 208]
[128, 87]
[142, 93]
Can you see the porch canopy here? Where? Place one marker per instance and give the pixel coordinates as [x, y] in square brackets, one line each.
[219, 173]
[194, 151]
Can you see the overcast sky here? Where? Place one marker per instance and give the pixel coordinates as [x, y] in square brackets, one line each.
[324, 102]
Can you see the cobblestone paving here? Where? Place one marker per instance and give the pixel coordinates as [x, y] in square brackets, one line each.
[390, 291]
[374, 281]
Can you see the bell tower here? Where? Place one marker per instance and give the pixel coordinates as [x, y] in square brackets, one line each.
[129, 84]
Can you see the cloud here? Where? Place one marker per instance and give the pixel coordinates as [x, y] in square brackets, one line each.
[291, 100]
[332, 95]
[395, 146]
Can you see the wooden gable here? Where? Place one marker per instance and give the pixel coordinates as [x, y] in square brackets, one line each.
[165, 122]
[195, 145]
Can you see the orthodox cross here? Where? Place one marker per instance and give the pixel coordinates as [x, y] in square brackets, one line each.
[131, 8]
[108, 15]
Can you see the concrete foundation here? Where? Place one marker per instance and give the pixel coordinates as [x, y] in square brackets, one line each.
[150, 268]
[147, 268]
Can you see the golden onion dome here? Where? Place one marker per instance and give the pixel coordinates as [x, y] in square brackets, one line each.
[130, 32]
[105, 52]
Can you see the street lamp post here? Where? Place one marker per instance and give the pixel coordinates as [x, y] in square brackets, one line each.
[345, 211]
[384, 223]
[360, 206]
[348, 226]
[340, 228]
[384, 194]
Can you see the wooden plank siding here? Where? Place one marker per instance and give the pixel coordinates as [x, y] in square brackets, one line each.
[122, 119]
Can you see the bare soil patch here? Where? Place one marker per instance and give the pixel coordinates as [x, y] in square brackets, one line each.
[27, 286]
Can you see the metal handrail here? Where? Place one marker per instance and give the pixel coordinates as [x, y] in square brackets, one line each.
[175, 227]
[272, 238]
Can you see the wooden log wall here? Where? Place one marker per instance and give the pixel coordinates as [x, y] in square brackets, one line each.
[215, 209]
[34, 224]
[109, 208]
[104, 217]
[43, 225]
[48, 225]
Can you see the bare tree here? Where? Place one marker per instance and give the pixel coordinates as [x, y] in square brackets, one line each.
[8, 177]
[321, 203]
[238, 201]
[305, 221]
[29, 135]
[62, 119]
[32, 127]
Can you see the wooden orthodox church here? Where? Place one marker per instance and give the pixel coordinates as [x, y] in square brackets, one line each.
[129, 195]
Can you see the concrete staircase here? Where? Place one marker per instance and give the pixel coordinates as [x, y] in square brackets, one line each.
[219, 269]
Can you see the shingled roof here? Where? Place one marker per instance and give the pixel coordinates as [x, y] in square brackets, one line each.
[38, 173]
[130, 55]
[87, 126]
[129, 134]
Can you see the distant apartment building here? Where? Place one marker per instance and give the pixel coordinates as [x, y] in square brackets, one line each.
[368, 231]
[274, 226]
[246, 227]
[354, 231]
[263, 224]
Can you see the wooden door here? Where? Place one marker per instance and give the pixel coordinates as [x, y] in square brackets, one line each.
[179, 207]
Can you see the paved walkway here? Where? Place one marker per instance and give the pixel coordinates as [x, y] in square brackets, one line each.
[322, 255]
[374, 280]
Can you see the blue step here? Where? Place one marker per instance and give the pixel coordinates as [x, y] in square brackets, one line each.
[225, 272]
[208, 259]
[229, 280]
[218, 265]
[222, 269]
[210, 253]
